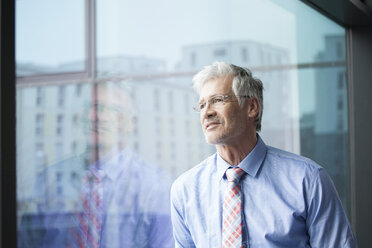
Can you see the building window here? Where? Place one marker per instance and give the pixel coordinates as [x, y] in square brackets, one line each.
[59, 127]
[75, 119]
[221, 52]
[40, 154]
[61, 96]
[156, 100]
[59, 190]
[59, 175]
[40, 97]
[78, 90]
[340, 103]
[245, 55]
[340, 50]
[39, 125]
[340, 81]
[193, 59]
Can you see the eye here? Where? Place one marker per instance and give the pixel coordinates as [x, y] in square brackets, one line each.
[201, 106]
[216, 100]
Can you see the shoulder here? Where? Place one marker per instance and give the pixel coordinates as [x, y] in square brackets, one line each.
[278, 158]
[191, 179]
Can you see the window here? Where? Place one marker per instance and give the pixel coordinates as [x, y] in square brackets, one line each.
[59, 176]
[39, 124]
[59, 129]
[340, 103]
[219, 52]
[245, 55]
[340, 80]
[61, 96]
[39, 97]
[193, 59]
[127, 116]
[39, 154]
[78, 90]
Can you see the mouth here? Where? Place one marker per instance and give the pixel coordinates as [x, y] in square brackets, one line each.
[211, 125]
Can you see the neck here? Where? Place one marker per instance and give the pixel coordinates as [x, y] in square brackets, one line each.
[234, 153]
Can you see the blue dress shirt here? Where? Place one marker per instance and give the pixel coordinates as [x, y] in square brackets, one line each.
[288, 201]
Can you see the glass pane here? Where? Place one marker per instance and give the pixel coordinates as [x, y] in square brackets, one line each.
[135, 126]
[298, 53]
[50, 36]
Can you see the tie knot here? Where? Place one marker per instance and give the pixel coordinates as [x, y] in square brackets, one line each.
[234, 174]
[95, 175]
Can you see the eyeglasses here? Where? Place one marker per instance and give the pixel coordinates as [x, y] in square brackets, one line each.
[215, 102]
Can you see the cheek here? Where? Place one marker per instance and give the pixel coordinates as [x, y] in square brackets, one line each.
[233, 120]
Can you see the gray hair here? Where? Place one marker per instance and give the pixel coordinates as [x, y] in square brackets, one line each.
[243, 83]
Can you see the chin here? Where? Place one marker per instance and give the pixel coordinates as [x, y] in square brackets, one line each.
[212, 140]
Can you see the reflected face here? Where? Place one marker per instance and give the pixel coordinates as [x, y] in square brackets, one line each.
[227, 123]
[107, 120]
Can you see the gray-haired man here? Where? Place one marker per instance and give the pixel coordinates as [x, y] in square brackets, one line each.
[249, 194]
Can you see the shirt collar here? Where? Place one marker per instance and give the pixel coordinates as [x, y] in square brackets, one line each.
[250, 164]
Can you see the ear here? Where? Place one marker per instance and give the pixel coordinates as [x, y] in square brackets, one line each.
[252, 107]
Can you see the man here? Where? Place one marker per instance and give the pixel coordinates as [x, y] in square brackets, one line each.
[116, 198]
[249, 194]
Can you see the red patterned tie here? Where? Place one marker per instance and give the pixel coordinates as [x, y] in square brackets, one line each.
[88, 223]
[232, 210]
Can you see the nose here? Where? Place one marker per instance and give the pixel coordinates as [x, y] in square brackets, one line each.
[208, 112]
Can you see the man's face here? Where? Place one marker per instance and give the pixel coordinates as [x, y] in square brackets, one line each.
[227, 123]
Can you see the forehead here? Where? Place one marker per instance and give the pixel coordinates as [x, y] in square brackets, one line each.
[216, 86]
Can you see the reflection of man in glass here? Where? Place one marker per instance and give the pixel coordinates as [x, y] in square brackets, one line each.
[118, 199]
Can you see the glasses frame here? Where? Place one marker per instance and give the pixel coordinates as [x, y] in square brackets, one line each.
[210, 102]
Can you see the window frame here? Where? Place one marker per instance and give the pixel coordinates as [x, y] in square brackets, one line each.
[90, 54]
